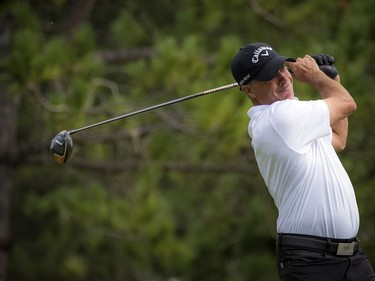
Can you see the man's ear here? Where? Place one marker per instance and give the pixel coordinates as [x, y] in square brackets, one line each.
[247, 90]
[251, 95]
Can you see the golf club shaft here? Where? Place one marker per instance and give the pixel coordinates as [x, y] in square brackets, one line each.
[215, 90]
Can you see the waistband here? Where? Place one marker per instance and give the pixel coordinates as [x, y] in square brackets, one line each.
[339, 247]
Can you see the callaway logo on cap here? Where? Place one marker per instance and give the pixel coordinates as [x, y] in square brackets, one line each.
[256, 61]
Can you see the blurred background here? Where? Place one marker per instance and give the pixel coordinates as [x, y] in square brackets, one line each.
[173, 194]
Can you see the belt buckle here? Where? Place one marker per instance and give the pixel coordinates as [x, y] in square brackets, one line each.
[345, 249]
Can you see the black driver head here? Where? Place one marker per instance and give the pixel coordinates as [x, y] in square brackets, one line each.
[61, 147]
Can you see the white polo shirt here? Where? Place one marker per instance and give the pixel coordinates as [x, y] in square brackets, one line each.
[292, 141]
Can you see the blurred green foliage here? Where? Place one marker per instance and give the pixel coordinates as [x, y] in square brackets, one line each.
[173, 194]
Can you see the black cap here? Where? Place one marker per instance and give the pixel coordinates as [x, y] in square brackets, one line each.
[256, 61]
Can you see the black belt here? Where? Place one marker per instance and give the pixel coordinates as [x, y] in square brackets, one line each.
[339, 247]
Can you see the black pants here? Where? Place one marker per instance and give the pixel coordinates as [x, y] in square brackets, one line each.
[311, 258]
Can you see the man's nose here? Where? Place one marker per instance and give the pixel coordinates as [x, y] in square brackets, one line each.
[283, 73]
[282, 77]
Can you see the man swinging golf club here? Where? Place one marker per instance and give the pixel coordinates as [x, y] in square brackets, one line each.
[295, 144]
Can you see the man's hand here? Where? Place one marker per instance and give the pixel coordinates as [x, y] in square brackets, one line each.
[306, 70]
[322, 59]
[326, 64]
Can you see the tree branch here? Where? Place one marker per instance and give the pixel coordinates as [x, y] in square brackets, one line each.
[79, 12]
[125, 55]
[168, 166]
[258, 9]
[46, 104]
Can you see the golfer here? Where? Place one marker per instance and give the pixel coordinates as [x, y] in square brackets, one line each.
[295, 144]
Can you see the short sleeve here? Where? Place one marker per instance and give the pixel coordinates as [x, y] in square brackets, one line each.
[299, 123]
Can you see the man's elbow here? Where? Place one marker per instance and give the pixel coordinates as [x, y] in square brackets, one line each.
[351, 105]
[339, 143]
[340, 147]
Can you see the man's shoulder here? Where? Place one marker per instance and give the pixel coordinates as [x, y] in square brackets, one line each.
[294, 106]
[287, 109]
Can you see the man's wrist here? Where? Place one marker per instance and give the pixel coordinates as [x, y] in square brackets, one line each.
[320, 79]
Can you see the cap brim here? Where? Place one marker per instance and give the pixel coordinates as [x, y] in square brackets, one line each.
[270, 70]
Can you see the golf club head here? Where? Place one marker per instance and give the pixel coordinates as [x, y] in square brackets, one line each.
[61, 147]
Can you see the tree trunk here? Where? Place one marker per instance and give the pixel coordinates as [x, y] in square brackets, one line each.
[8, 124]
[8, 153]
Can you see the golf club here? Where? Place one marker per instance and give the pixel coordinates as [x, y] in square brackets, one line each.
[62, 144]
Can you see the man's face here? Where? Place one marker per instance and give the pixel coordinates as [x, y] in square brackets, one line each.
[267, 92]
